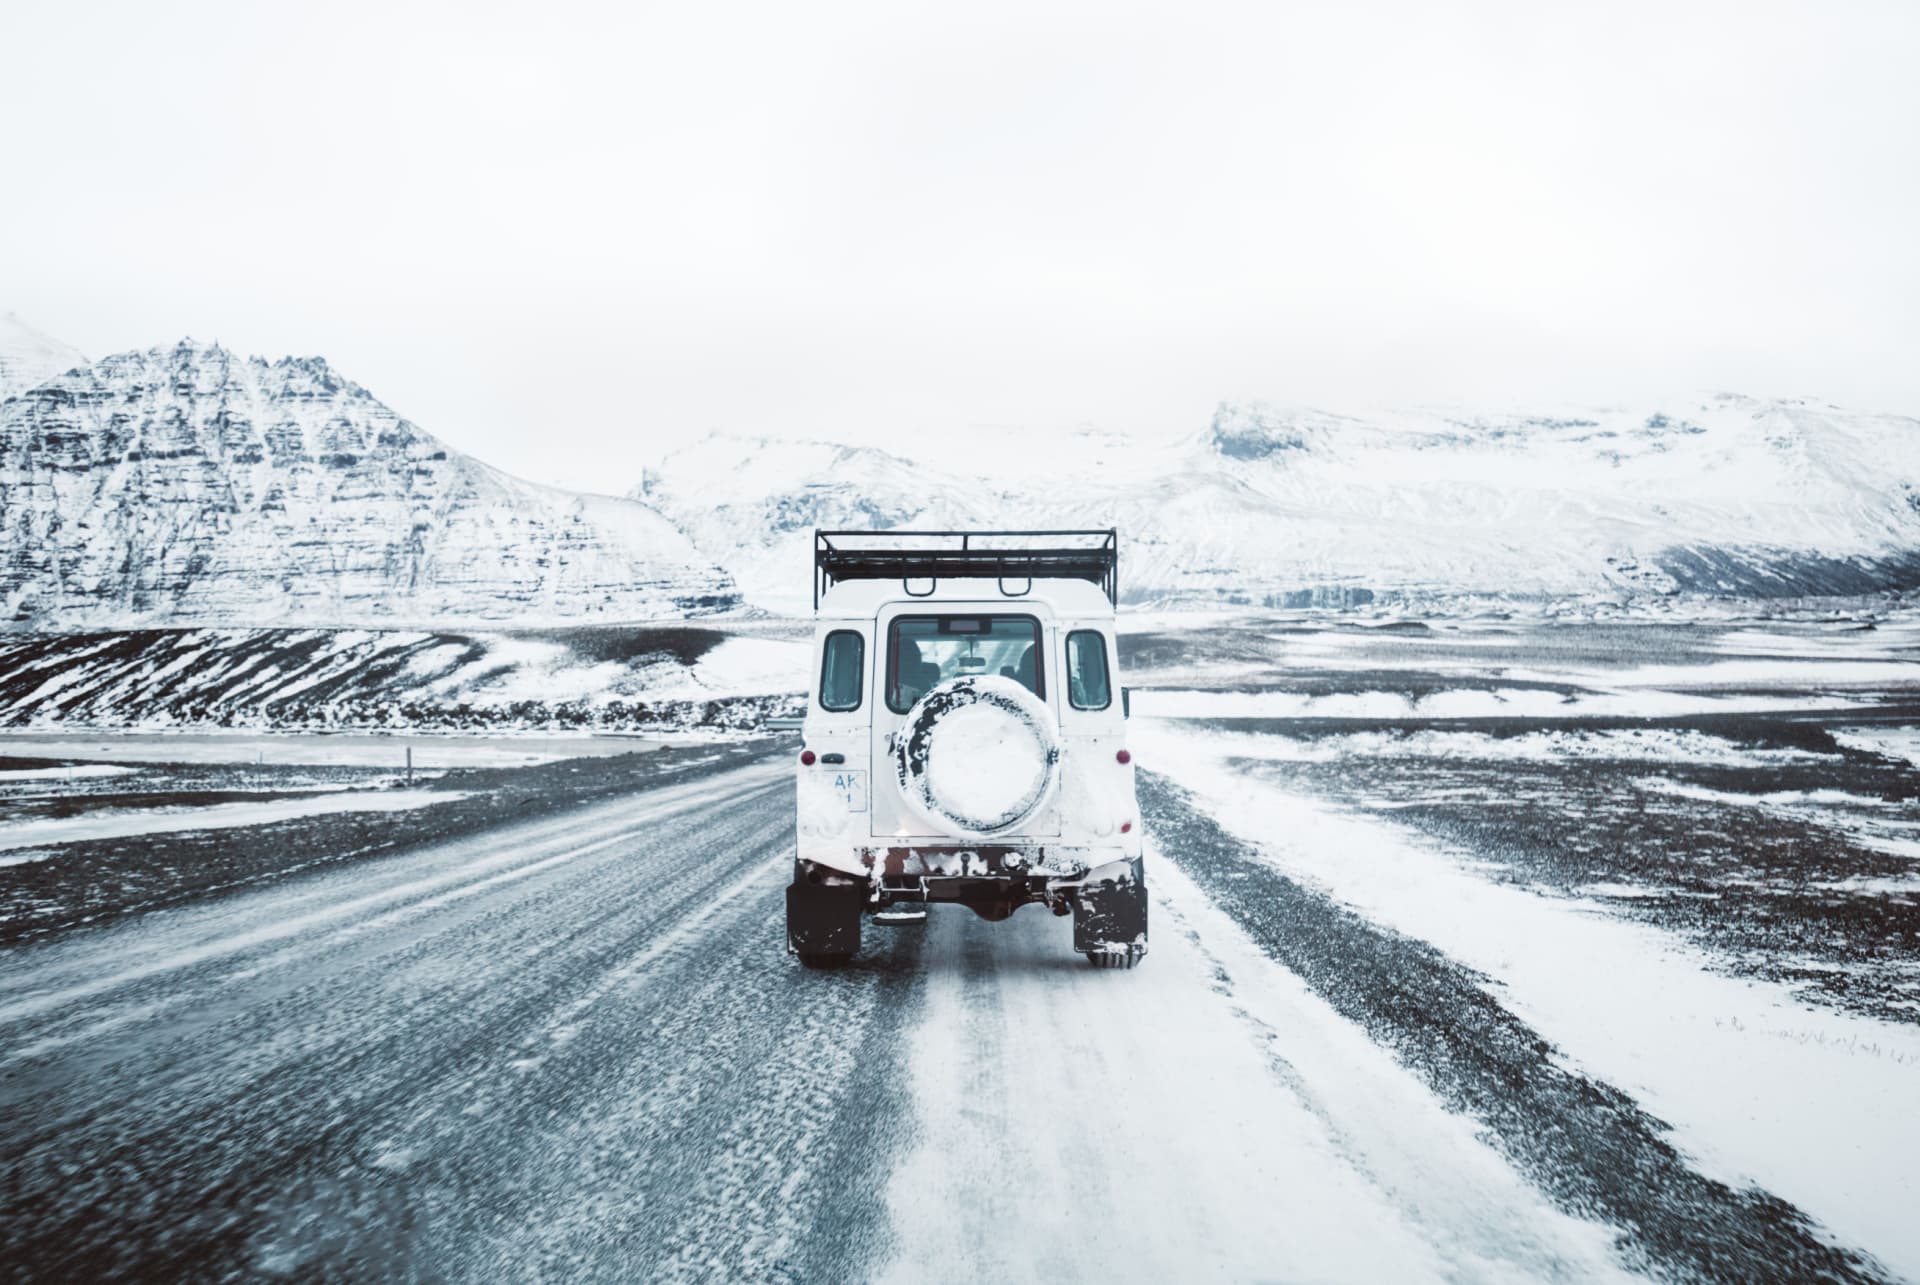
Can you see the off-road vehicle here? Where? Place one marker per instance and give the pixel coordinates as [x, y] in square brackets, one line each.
[965, 739]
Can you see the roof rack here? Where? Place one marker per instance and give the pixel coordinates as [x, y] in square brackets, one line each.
[916, 555]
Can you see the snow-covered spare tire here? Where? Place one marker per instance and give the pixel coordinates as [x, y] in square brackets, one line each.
[977, 756]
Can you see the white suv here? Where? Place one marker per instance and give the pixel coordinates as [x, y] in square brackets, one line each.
[965, 740]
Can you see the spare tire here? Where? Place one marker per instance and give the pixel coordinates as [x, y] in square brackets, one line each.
[977, 756]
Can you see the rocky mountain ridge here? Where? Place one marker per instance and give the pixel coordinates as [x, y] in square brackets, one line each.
[1726, 496]
[188, 484]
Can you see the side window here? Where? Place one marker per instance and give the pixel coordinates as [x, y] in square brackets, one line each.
[840, 664]
[1087, 685]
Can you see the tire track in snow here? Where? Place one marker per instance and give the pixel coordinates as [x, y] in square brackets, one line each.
[604, 1065]
[1076, 1124]
[1484, 1219]
[57, 978]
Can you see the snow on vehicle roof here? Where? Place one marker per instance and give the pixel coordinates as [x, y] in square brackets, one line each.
[863, 599]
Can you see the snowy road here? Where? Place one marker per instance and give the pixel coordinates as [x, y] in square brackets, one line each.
[574, 1047]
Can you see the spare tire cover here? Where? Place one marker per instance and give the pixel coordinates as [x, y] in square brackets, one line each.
[977, 756]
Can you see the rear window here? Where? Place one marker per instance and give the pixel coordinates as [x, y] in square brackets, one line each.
[1087, 685]
[924, 650]
[840, 665]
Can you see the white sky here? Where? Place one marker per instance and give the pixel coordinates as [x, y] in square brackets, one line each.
[564, 236]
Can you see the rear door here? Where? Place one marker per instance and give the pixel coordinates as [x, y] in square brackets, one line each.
[919, 644]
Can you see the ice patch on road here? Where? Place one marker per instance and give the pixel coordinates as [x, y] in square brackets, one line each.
[121, 823]
[1813, 1105]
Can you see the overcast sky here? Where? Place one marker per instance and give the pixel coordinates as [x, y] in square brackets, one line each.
[565, 236]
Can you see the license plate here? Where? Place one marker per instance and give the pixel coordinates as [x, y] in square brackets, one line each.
[851, 786]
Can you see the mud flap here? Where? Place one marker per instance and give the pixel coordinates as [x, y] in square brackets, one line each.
[823, 920]
[1110, 914]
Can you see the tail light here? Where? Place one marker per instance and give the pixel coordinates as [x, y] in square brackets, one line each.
[806, 758]
[1124, 757]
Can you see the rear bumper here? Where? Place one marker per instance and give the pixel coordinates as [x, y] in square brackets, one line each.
[983, 880]
[950, 860]
[911, 882]
[1108, 905]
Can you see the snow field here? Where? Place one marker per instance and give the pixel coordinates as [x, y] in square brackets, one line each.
[741, 667]
[1510, 702]
[1893, 742]
[1813, 1105]
[1652, 745]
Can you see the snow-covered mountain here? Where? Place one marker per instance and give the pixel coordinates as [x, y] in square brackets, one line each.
[190, 484]
[758, 500]
[28, 357]
[1278, 507]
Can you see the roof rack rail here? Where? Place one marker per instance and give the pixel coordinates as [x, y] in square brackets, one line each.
[911, 555]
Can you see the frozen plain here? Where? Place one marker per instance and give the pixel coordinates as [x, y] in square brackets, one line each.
[1481, 951]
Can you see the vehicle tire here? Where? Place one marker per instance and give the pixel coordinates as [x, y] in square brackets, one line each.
[823, 921]
[978, 756]
[1110, 917]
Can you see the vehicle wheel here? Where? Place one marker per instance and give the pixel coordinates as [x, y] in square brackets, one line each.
[823, 921]
[1110, 919]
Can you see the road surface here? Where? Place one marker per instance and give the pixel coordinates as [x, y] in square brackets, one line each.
[574, 1047]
